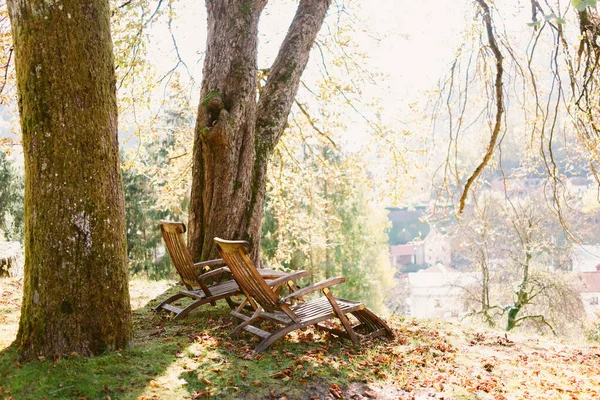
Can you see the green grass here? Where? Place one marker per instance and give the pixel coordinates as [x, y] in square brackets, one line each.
[118, 375]
[194, 358]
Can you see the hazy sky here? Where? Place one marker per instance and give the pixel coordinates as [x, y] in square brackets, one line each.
[410, 42]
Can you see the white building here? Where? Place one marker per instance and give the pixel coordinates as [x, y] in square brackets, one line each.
[586, 258]
[437, 292]
[590, 293]
[434, 249]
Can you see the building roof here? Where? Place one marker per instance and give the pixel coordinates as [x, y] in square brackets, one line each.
[402, 250]
[439, 269]
[590, 282]
[586, 258]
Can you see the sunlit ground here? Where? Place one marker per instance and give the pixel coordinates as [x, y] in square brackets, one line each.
[193, 359]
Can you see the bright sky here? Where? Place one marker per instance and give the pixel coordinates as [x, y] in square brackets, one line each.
[411, 43]
[418, 39]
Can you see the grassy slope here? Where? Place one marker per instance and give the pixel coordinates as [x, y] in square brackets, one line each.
[194, 359]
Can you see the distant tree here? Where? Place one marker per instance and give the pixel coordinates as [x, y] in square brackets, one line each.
[11, 200]
[319, 218]
[143, 217]
[360, 252]
[477, 242]
[156, 184]
[528, 108]
[511, 244]
[76, 294]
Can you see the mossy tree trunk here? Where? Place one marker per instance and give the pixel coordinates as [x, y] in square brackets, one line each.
[76, 295]
[236, 133]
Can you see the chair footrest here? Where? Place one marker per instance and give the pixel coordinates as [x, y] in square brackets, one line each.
[335, 331]
[171, 308]
[377, 333]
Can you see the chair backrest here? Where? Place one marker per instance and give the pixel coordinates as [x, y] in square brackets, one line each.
[235, 255]
[172, 233]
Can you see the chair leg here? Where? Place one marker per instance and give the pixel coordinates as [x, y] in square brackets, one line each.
[168, 301]
[189, 308]
[341, 316]
[279, 333]
[238, 329]
[243, 305]
[292, 287]
[230, 303]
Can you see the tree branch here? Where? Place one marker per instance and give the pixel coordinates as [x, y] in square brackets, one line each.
[311, 122]
[540, 317]
[278, 95]
[499, 103]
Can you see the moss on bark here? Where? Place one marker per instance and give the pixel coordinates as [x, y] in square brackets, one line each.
[230, 162]
[76, 296]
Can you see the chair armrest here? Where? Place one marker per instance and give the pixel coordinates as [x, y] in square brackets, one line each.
[217, 261]
[213, 273]
[271, 273]
[288, 277]
[313, 288]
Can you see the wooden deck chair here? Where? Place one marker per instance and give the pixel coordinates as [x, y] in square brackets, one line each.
[270, 305]
[194, 276]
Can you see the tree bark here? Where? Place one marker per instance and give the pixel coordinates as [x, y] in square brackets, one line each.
[235, 135]
[76, 296]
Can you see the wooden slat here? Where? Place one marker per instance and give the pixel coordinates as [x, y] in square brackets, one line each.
[256, 331]
[240, 316]
[317, 286]
[245, 272]
[277, 316]
[195, 294]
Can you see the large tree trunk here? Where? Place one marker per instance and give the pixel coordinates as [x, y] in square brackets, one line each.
[76, 295]
[236, 134]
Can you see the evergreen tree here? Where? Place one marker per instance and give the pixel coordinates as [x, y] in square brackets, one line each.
[143, 234]
[11, 201]
[320, 219]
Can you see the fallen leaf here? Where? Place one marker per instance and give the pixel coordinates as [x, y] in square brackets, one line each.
[205, 394]
[286, 373]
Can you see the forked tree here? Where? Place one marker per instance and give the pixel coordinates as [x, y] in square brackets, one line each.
[76, 296]
[237, 130]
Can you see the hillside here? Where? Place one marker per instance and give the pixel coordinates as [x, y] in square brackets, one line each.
[193, 359]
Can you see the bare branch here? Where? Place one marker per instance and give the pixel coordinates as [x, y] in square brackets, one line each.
[313, 125]
[499, 104]
[538, 317]
[6, 68]
[278, 95]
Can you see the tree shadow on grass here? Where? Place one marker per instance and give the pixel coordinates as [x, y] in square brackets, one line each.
[193, 358]
[116, 375]
[305, 364]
